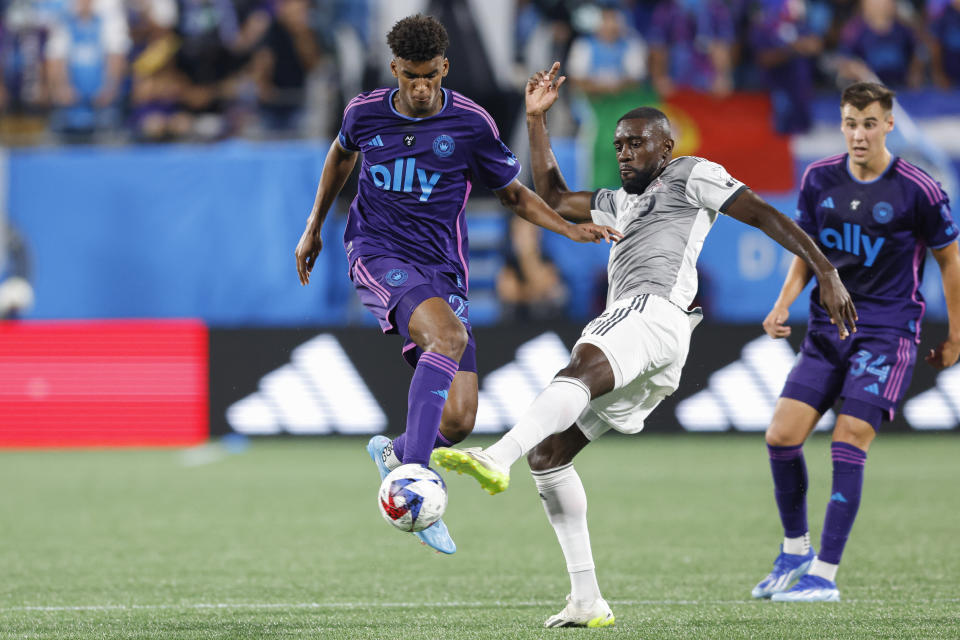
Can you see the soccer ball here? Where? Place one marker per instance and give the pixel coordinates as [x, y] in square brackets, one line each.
[412, 497]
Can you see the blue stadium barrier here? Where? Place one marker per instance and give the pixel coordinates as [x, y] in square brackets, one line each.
[209, 232]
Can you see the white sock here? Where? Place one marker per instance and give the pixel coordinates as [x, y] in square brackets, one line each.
[797, 546]
[565, 503]
[554, 410]
[824, 569]
[390, 458]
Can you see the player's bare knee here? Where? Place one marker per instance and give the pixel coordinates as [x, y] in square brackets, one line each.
[571, 371]
[853, 431]
[547, 455]
[783, 434]
[541, 458]
[458, 420]
[451, 342]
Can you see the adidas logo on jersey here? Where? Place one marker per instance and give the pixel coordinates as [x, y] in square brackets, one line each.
[742, 394]
[827, 204]
[319, 391]
[375, 142]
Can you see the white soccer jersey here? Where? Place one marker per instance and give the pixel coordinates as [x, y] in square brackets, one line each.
[663, 229]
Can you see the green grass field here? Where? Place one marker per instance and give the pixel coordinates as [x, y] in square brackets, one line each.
[285, 541]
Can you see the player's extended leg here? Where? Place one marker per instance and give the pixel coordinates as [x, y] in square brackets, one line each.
[565, 503]
[851, 440]
[792, 422]
[458, 418]
[588, 375]
[439, 332]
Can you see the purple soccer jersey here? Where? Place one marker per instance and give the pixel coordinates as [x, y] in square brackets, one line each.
[876, 234]
[416, 176]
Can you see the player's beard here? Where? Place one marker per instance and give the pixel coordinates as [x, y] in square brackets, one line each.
[639, 180]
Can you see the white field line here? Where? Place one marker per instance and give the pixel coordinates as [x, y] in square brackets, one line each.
[186, 606]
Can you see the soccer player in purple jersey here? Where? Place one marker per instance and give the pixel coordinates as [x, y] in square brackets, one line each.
[873, 215]
[406, 237]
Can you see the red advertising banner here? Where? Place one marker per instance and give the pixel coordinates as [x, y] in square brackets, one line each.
[103, 383]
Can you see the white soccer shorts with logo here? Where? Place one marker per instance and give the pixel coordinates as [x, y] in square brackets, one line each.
[646, 339]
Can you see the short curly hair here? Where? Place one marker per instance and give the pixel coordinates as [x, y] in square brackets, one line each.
[418, 38]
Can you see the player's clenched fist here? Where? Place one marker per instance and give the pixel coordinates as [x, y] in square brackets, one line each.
[774, 325]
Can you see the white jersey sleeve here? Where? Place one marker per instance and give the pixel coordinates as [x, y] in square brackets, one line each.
[603, 207]
[711, 187]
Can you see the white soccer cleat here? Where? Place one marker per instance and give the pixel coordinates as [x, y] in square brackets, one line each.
[593, 616]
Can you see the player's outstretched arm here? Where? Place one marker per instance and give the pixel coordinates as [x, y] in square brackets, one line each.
[336, 170]
[797, 278]
[541, 93]
[750, 209]
[529, 206]
[947, 352]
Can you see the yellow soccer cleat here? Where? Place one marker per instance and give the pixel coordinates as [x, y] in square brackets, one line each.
[473, 462]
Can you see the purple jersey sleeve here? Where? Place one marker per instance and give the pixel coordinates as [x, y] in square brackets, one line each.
[491, 162]
[347, 133]
[806, 205]
[935, 222]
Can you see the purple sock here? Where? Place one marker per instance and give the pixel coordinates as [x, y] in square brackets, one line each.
[400, 442]
[428, 393]
[848, 462]
[790, 488]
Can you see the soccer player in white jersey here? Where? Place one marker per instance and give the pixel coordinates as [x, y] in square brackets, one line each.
[629, 358]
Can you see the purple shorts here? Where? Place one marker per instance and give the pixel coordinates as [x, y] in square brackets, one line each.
[392, 288]
[870, 370]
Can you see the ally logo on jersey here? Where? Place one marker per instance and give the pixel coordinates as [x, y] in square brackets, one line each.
[853, 240]
[400, 177]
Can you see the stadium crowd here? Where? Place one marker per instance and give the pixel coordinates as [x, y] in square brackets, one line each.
[160, 70]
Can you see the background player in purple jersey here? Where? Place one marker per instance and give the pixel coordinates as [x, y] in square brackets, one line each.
[406, 236]
[874, 215]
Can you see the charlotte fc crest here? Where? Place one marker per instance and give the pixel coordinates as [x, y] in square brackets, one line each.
[443, 145]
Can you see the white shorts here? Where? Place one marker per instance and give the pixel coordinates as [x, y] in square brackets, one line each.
[646, 339]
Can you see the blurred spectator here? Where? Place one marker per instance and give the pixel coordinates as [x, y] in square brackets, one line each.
[155, 86]
[945, 47]
[208, 31]
[785, 48]
[690, 46]
[609, 60]
[86, 57]
[23, 93]
[529, 285]
[608, 67]
[544, 32]
[281, 64]
[254, 18]
[878, 41]
[16, 294]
